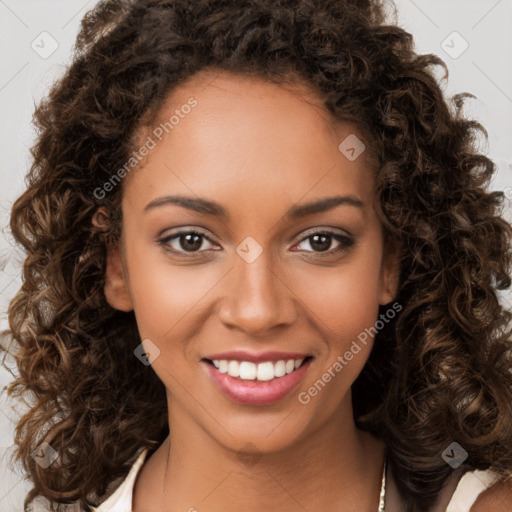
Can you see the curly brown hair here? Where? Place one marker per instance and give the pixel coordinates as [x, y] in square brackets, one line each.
[442, 369]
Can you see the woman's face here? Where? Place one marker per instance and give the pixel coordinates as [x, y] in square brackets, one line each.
[259, 283]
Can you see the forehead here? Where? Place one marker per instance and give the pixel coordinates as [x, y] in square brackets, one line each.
[245, 135]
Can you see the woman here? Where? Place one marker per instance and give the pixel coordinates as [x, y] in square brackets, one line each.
[262, 270]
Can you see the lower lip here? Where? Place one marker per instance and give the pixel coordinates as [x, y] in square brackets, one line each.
[254, 392]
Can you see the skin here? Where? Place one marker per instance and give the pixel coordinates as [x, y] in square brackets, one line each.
[257, 149]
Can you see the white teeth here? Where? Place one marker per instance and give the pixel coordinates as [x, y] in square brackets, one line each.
[265, 371]
[245, 370]
[280, 369]
[234, 368]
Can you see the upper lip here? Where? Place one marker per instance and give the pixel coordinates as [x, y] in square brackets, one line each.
[241, 355]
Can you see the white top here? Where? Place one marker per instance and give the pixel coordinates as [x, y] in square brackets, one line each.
[466, 493]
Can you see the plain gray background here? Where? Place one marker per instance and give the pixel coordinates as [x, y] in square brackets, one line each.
[473, 37]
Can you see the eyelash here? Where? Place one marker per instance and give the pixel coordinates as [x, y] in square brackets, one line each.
[345, 242]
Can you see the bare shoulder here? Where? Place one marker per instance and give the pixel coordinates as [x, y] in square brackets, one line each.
[497, 498]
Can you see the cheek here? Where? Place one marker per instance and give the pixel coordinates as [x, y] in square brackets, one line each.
[344, 299]
[345, 308]
[165, 294]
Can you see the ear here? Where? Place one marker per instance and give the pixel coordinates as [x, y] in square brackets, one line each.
[116, 287]
[390, 273]
[116, 283]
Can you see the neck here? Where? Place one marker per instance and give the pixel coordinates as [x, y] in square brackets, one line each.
[337, 464]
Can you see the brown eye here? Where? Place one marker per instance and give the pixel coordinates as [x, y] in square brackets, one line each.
[184, 241]
[321, 242]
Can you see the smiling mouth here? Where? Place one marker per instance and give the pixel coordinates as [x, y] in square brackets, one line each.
[264, 371]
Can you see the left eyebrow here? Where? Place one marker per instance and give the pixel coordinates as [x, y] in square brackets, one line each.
[209, 207]
[322, 205]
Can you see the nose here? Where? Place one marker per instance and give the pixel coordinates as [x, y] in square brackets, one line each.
[257, 297]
